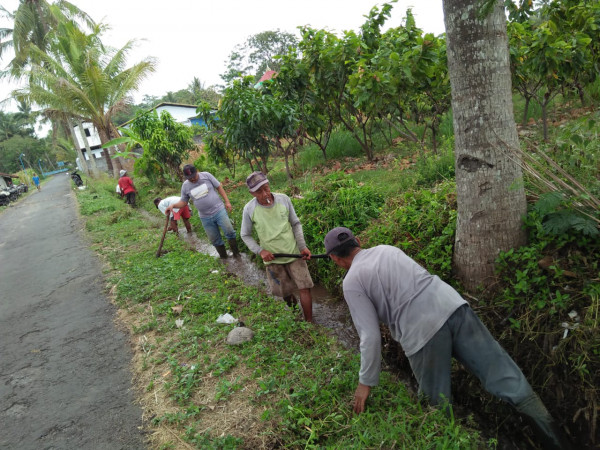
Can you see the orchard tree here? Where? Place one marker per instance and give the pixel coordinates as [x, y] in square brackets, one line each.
[524, 77]
[559, 54]
[315, 121]
[166, 144]
[244, 115]
[490, 192]
[214, 142]
[259, 52]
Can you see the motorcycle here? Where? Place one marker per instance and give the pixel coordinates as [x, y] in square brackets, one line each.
[4, 197]
[76, 178]
[14, 192]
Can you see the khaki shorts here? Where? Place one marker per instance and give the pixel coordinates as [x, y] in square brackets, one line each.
[284, 279]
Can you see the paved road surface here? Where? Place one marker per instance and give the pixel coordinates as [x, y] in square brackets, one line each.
[65, 381]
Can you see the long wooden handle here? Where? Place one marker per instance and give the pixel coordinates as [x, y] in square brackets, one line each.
[163, 237]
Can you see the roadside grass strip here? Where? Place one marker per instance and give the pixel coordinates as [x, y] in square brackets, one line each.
[292, 386]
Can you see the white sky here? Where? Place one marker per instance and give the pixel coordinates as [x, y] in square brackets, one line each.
[194, 38]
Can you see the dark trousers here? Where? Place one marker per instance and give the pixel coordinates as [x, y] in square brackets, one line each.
[130, 198]
[466, 338]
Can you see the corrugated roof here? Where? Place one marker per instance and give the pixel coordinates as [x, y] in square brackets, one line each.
[267, 75]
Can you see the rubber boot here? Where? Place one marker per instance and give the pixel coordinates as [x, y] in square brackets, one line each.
[173, 226]
[188, 225]
[233, 246]
[291, 301]
[550, 436]
[222, 251]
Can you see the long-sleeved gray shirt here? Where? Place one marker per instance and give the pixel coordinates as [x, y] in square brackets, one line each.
[277, 226]
[385, 285]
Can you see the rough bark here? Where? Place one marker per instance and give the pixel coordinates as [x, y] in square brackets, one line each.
[490, 193]
[113, 164]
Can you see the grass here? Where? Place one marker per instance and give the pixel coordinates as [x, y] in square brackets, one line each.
[291, 387]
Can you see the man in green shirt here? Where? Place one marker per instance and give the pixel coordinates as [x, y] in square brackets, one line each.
[279, 231]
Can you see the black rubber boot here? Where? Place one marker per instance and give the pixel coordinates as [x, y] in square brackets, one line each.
[291, 301]
[188, 225]
[550, 436]
[222, 251]
[233, 246]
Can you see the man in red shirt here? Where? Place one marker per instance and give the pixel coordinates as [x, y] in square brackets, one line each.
[127, 188]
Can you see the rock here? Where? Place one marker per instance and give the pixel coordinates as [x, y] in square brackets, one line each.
[239, 335]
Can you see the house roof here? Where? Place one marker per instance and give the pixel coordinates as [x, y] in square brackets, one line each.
[8, 175]
[267, 75]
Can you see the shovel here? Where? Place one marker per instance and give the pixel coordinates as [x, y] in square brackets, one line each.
[163, 237]
[292, 255]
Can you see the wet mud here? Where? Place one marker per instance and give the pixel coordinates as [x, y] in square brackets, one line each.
[328, 311]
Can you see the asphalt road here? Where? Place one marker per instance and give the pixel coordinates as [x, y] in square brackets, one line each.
[65, 379]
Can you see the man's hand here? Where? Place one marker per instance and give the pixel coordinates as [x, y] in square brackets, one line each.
[305, 253]
[360, 397]
[168, 210]
[228, 207]
[266, 255]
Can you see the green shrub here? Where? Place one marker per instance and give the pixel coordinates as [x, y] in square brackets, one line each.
[338, 200]
[433, 168]
[536, 275]
[421, 223]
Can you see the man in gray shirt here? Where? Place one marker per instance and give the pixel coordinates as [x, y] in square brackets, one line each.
[432, 323]
[204, 190]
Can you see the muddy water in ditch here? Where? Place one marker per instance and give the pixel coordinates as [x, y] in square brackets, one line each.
[328, 312]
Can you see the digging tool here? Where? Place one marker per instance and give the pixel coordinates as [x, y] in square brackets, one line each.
[163, 236]
[292, 255]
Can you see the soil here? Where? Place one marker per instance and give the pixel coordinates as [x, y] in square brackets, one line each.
[65, 378]
[328, 311]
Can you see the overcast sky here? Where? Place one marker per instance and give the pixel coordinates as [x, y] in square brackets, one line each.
[194, 38]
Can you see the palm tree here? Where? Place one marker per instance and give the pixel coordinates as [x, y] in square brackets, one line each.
[33, 21]
[80, 76]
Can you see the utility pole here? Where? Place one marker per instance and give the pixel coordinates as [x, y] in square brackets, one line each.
[23, 166]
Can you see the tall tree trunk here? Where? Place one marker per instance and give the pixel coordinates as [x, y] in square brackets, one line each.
[490, 193]
[113, 164]
[50, 163]
[84, 165]
[87, 148]
[114, 133]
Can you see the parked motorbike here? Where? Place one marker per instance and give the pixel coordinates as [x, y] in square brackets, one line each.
[14, 192]
[4, 197]
[76, 178]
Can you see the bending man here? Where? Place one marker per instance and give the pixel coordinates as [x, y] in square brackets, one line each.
[177, 213]
[432, 323]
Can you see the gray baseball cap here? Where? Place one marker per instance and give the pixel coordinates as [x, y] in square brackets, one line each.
[255, 180]
[337, 237]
